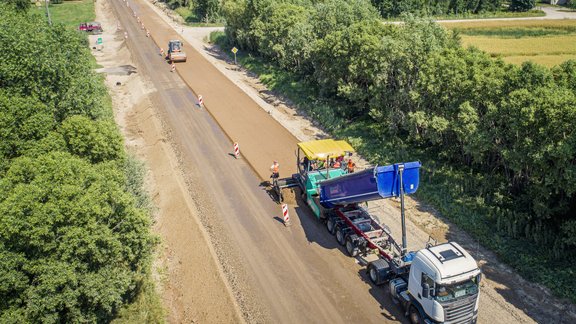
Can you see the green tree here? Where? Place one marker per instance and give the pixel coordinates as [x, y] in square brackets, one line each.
[348, 64]
[521, 5]
[75, 245]
[96, 141]
[23, 121]
[207, 10]
[565, 75]
[273, 30]
[51, 64]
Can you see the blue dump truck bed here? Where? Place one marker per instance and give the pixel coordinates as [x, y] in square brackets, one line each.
[371, 184]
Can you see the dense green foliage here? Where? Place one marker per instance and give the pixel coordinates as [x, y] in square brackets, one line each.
[496, 140]
[206, 11]
[522, 5]
[74, 240]
[395, 8]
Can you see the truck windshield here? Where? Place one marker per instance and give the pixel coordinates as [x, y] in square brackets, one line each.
[447, 293]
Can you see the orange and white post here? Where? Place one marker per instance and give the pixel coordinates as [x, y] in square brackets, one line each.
[200, 101]
[172, 67]
[236, 150]
[285, 215]
[147, 33]
[161, 52]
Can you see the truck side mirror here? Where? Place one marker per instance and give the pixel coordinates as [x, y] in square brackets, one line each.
[425, 290]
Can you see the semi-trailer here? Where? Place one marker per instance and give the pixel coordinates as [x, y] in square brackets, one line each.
[437, 284]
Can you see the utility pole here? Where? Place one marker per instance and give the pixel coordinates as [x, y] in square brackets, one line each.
[48, 13]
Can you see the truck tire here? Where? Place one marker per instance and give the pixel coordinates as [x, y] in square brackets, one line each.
[414, 315]
[377, 272]
[351, 248]
[331, 225]
[340, 235]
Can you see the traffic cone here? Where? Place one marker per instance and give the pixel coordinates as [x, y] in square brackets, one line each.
[172, 67]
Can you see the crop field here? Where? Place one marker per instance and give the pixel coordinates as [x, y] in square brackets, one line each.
[546, 42]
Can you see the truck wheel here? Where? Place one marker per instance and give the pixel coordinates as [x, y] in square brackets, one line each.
[378, 272]
[340, 236]
[414, 315]
[373, 274]
[330, 225]
[351, 248]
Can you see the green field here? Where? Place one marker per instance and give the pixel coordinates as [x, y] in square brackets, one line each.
[544, 42]
[69, 13]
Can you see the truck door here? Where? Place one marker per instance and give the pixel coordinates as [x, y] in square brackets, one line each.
[426, 294]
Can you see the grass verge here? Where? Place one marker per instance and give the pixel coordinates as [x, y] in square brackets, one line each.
[452, 191]
[146, 307]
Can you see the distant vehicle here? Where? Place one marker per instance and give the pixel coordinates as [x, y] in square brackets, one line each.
[175, 52]
[91, 27]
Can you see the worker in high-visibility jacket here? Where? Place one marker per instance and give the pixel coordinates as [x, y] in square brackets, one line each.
[275, 169]
[351, 165]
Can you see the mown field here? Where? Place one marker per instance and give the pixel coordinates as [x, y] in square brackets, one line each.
[546, 42]
[69, 13]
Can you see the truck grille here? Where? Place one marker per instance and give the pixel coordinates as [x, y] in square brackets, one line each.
[461, 311]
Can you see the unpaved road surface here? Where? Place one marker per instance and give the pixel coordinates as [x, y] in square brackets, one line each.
[226, 257]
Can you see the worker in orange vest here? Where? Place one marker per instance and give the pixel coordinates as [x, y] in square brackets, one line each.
[351, 166]
[275, 168]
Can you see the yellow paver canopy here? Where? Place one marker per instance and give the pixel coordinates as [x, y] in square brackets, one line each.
[319, 150]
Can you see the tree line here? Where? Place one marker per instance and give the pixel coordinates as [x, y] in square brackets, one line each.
[74, 236]
[211, 10]
[395, 8]
[508, 129]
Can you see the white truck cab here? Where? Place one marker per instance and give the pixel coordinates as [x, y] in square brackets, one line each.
[444, 281]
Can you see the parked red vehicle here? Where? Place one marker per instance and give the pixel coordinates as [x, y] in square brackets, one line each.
[91, 27]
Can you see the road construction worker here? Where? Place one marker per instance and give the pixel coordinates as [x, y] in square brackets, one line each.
[351, 165]
[275, 169]
[314, 165]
